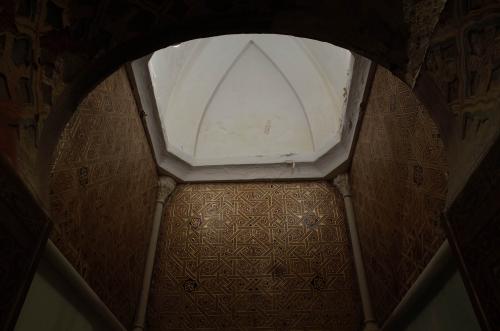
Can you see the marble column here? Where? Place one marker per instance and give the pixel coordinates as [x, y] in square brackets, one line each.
[166, 186]
[342, 183]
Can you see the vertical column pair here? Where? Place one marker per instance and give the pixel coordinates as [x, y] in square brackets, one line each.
[166, 187]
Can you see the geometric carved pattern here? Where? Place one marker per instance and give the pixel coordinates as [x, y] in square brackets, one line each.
[103, 192]
[399, 183]
[254, 255]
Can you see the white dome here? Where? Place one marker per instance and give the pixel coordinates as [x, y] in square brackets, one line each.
[251, 99]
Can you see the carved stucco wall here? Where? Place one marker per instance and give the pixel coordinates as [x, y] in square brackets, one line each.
[103, 190]
[399, 182]
[459, 83]
[463, 58]
[254, 256]
[52, 52]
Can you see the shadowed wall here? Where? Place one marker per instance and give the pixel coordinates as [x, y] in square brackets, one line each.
[103, 191]
[254, 255]
[399, 181]
[467, 40]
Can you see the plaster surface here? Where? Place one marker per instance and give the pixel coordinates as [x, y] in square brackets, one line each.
[330, 158]
[251, 98]
[51, 304]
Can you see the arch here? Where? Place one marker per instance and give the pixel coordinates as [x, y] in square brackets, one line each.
[380, 32]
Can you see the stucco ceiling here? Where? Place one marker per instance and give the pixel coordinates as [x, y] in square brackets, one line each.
[251, 99]
[252, 106]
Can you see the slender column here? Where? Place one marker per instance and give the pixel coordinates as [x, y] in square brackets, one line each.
[166, 186]
[342, 183]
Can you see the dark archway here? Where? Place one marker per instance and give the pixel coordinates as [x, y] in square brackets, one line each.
[91, 48]
[53, 54]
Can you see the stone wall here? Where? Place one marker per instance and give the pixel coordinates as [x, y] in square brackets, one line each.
[103, 192]
[399, 182]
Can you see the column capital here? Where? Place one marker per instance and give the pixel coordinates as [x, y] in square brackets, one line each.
[342, 184]
[166, 186]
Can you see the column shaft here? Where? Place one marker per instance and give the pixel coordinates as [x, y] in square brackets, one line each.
[165, 187]
[342, 183]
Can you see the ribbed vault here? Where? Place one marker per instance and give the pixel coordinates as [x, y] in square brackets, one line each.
[251, 99]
